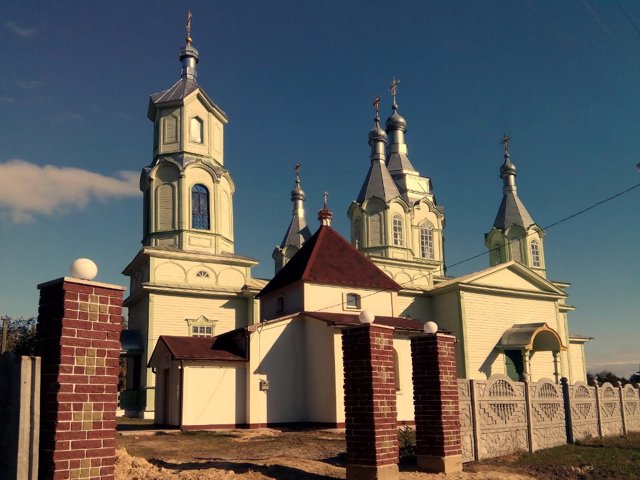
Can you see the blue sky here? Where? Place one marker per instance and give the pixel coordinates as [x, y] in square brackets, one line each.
[297, 80]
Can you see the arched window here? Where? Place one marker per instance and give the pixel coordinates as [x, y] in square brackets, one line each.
[426, 240]
[535, 254]
[497, 254]
[357, 233]
[200, 207]
[397, 230]
[352, 300]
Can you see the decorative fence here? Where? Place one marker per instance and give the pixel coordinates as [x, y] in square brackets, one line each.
[499, 416]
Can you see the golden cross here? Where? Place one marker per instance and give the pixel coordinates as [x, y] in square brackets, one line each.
[189, 28]
[393, 88]
[505, 142]
[376, 104]
[326, 199]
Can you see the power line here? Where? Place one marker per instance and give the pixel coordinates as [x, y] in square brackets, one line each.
[473, 257]
[635, 26]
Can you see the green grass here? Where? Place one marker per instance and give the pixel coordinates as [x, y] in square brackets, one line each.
[606, 458]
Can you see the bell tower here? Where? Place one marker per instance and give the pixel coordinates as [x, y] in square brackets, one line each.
[514, 236]
[187, 191]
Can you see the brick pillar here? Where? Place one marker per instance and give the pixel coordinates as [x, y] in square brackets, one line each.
[435, 398]
[78, 337]
[370, 403]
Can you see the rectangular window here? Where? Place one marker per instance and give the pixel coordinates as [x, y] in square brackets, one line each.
[426, 242]
[397, 231]
[202, 331]
[535, 254]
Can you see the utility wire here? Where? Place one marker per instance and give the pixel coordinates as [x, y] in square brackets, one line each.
[473, 257]
[633, 24]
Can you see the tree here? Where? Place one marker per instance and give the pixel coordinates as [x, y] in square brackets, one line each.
[21, 335]
[605, 376]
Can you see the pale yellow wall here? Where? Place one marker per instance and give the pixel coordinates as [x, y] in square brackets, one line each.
[414, 305]
[293, 301]
[170, 313]
[487, 316]
[541, 365]
[447, 314]
[506, 279]
[329, 298]
[214, 394]
[404, 396]
[578, 368]
[278, 356]
[184, 272]
[320, 376]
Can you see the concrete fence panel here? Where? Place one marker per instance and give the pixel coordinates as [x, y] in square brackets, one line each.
[631, 408]
[502, 417]
[19, 417]
[610, 410]
[548, 423]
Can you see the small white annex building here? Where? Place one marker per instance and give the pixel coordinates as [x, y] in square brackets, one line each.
[209, 345]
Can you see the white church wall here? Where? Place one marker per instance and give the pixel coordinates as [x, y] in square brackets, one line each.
[447, 310]
[487, 317]
[214, 395]
[171, 312]
[415, 306]
[329, 298]
[278, 356]
[404, 396]
[320, 374]
[542, 365]
[292, 302]
[578, 370]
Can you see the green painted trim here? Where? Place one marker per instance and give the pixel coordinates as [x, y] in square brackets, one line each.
[463, 334]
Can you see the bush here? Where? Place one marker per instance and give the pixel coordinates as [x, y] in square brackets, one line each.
[407, 444]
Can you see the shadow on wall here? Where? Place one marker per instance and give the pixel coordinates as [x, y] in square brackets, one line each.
[284, 366]
[487, 365]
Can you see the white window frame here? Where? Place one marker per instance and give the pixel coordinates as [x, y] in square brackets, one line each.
[427, 249]
[536, 258]
[356, 297]
[201, 327]
[398, 233]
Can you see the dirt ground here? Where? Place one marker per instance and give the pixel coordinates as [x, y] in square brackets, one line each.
[256, 455]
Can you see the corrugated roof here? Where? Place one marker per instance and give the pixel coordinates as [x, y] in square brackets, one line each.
[327, 258]
[353, 319]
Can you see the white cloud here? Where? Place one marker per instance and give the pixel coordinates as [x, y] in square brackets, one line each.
[22, 32]
[27, 189]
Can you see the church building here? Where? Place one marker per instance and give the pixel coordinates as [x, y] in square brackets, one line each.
[209, 346]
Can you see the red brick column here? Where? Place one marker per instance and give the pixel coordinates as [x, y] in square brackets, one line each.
[78, 338]
[435, 398]
[370, 403]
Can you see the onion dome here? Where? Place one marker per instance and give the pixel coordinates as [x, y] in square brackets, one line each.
[507, 167]
[377, 133]
[396, 121]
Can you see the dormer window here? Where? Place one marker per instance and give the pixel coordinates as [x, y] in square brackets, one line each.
[201, 326]
[196, 130]
[352, 300]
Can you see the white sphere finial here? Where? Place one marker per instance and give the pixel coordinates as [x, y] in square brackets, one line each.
[366, 316]
[430, 327]
[84, 269]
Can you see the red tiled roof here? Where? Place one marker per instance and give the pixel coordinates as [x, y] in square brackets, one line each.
[328, 258]
[352, 319]
[230, 346]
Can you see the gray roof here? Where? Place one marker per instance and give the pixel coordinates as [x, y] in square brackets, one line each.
[378, 183]
[297, 233]
[512, 212]
[399, 161]
[178, 91]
